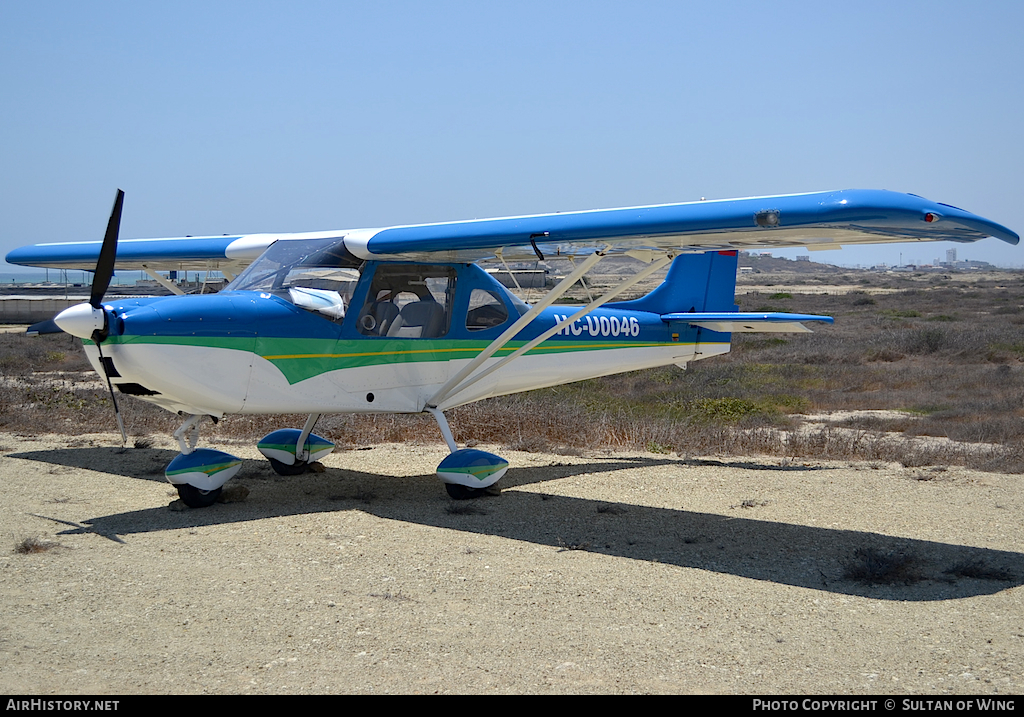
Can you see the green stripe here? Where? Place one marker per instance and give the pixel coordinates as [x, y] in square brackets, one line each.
[478, 472]
[299, 359]
[208, 470]
[290, 447]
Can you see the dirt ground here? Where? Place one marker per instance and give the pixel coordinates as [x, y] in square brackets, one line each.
[605, 573]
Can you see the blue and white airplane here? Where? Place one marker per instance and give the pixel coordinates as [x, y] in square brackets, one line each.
[401, 319]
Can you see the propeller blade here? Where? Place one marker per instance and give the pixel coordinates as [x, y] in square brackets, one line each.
[108, 253]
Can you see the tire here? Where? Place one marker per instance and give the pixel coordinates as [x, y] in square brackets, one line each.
[283, 469]
[195, 498]
[461, 492]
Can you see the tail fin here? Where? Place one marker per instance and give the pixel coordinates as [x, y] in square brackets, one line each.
[694, 283]
[700, 290]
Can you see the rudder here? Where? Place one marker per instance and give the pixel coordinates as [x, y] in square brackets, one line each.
[694, 283]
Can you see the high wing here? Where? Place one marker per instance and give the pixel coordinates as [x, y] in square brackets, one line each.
[230, 253]
[822, 220]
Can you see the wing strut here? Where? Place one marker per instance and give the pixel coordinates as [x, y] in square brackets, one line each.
[515, 281]
[563, 286]
[166, 283]
[463, 380]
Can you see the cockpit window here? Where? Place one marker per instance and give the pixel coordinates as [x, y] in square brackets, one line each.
[319, 275]
[486, 310]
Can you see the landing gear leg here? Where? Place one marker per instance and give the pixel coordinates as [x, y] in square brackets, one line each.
[187, 434]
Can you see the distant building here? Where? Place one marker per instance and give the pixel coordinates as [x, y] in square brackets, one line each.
[804, 257]
[523, 278]
[951, 256]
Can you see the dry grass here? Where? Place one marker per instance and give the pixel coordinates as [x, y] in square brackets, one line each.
[32, 545]
[980, 570]
[575, 545]
[878, 567]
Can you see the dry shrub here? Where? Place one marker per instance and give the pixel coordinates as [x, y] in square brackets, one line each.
[877, 567]
[35, 545]
[978, 569]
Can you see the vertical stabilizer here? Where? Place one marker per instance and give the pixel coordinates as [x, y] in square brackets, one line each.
[694, 283]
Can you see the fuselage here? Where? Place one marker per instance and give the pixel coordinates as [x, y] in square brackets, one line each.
[360, 349]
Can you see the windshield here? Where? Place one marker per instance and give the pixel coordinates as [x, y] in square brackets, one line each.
[316, 274]
[297, 262]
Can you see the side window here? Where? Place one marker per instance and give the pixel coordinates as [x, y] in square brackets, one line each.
[486, 310]
[408, 301]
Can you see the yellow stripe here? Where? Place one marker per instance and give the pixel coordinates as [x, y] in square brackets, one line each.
[452, 350]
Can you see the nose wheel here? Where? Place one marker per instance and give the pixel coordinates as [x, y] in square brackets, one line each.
[199, 473]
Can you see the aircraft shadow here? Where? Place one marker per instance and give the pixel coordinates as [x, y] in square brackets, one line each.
[826, 559]
[108, 459]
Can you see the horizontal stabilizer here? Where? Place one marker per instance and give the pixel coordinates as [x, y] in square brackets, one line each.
[734, 322]
[43, 327]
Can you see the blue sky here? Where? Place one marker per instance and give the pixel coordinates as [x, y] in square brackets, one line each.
[225, 117]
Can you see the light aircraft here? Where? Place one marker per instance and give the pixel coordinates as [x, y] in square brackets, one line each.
[402, 320]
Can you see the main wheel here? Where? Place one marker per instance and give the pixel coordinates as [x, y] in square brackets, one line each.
[461, 492]
[195, 498]
[283, 469]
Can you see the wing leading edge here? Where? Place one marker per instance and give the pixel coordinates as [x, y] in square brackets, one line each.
[816, 221]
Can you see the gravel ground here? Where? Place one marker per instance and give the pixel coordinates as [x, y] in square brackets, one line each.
[605, 573]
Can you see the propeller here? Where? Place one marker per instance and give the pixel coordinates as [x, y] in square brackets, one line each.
[82, 320]
[90, 321]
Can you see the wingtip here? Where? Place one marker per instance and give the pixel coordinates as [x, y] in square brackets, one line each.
[1010, 238]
